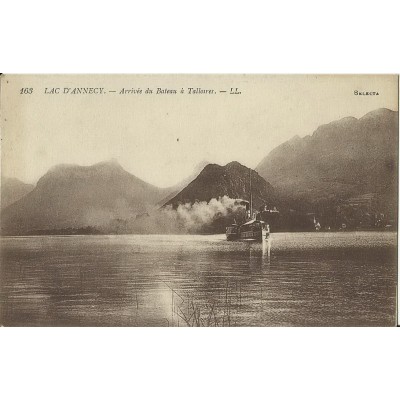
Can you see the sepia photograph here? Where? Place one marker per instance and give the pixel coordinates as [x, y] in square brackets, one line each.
[199, 200]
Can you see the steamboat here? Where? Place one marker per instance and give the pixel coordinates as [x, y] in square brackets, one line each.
[253, 229]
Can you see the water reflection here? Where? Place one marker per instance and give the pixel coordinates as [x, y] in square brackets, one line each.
[198, 281]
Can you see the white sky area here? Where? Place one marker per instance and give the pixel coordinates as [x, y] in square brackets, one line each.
[142, 131]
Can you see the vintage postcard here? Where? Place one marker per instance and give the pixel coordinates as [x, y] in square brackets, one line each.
[199, 200]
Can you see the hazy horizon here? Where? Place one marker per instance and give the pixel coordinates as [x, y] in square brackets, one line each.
[161, 139]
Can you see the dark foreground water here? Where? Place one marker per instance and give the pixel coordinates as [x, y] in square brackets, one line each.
[310, 279]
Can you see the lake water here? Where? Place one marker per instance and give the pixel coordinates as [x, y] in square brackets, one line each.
[309, 279]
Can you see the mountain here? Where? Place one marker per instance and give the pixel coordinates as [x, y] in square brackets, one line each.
[348, 157]
[72, 196]
[174, 190]
[13, 189]
[232, 180]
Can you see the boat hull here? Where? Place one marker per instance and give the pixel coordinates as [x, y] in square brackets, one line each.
[232, 236]
[249, 236]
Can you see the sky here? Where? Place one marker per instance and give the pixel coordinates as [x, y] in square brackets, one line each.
[160, 138]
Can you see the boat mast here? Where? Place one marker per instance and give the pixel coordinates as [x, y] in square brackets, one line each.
[251, 197]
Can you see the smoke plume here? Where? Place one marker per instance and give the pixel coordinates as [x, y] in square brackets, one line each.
[198, 217]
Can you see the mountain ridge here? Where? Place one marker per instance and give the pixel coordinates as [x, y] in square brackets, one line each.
[70, 195]
[175, 189]
[13, 189]
[232, 180]
[343, 159]
[346, 157]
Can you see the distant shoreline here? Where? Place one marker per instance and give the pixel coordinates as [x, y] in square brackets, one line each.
[30, 234]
